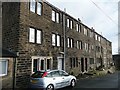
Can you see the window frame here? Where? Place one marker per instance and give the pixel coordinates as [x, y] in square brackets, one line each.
[53, 15]
[36, 3]
[6, 71]
[36, 36]
[40, 12]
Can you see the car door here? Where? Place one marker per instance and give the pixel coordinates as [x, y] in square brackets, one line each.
[57, 79]
[65, 78]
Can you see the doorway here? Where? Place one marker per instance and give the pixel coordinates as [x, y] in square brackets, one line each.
[60, 63]
[86, 64]
[82, 64]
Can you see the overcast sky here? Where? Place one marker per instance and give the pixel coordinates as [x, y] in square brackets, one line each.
[102, 15]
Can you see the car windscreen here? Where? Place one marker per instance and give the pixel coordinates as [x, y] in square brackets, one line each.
[37, 74]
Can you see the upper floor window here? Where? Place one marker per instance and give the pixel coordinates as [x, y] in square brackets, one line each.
[86, 46]
[56, 40]
[99, 39]
[32, 35]
[35, 7]
[32, 5]
[55, 16]
[77, 27]
[96, 37]
[3, 67]
[68, 23]
[85, 32]
[71, 24]
[70, 42]
[39, 6]
[79, 44]
[35, 36]
[91, 34]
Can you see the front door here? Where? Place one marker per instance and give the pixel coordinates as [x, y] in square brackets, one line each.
[86, 65]
[82, 64]
[60, 64]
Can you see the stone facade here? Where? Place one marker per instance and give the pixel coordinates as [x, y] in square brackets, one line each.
[83, 51]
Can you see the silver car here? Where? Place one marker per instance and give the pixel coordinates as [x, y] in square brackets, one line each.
[50, 80]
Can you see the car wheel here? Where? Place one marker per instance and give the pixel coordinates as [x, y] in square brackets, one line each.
[72, 83]
[50, 87]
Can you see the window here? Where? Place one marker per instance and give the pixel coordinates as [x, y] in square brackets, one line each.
[35, 36]
[3, 67]
[91, 34]
[70, 42]
[96, 37]
[35, 7]
[39, 36]
[85, 32]
[73, 62]
[99, 39]
[57, 17]
[32, 35]
[77, 27]
[71, 24]
[56, 40]
[86, 46]
[68, 23]
[79, 44]
[41, 63]
[91, 60]
[53, 39]
[53, 15]
[32, 5]
[39, 10]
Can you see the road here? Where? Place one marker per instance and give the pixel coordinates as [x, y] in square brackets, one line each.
[108, 82]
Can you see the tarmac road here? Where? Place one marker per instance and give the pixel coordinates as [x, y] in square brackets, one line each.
[107, 82]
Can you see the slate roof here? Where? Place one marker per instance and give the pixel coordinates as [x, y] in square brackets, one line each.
[7, 53]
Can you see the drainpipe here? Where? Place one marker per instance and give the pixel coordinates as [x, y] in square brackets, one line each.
[64, 38]
[14, 68]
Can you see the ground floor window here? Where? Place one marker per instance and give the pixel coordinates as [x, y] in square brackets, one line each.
[3, 67]
[41, 63]
[73, 62]
[91, 60]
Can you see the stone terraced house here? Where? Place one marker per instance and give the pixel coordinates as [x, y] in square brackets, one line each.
[45, 37]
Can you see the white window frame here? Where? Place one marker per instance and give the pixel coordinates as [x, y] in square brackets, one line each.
[6, 71]
[39, 37]
[80, 44]
[57, 17]
[53, 39]
[39, 8]
[53, 15]
[71, 42]
[71, 24]
[96, 37]
[68, 22]
[68, 40]
[58, 40]
[77, 44]
[77, 29]
[32, 5]
[39, 62]
[32, 35]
